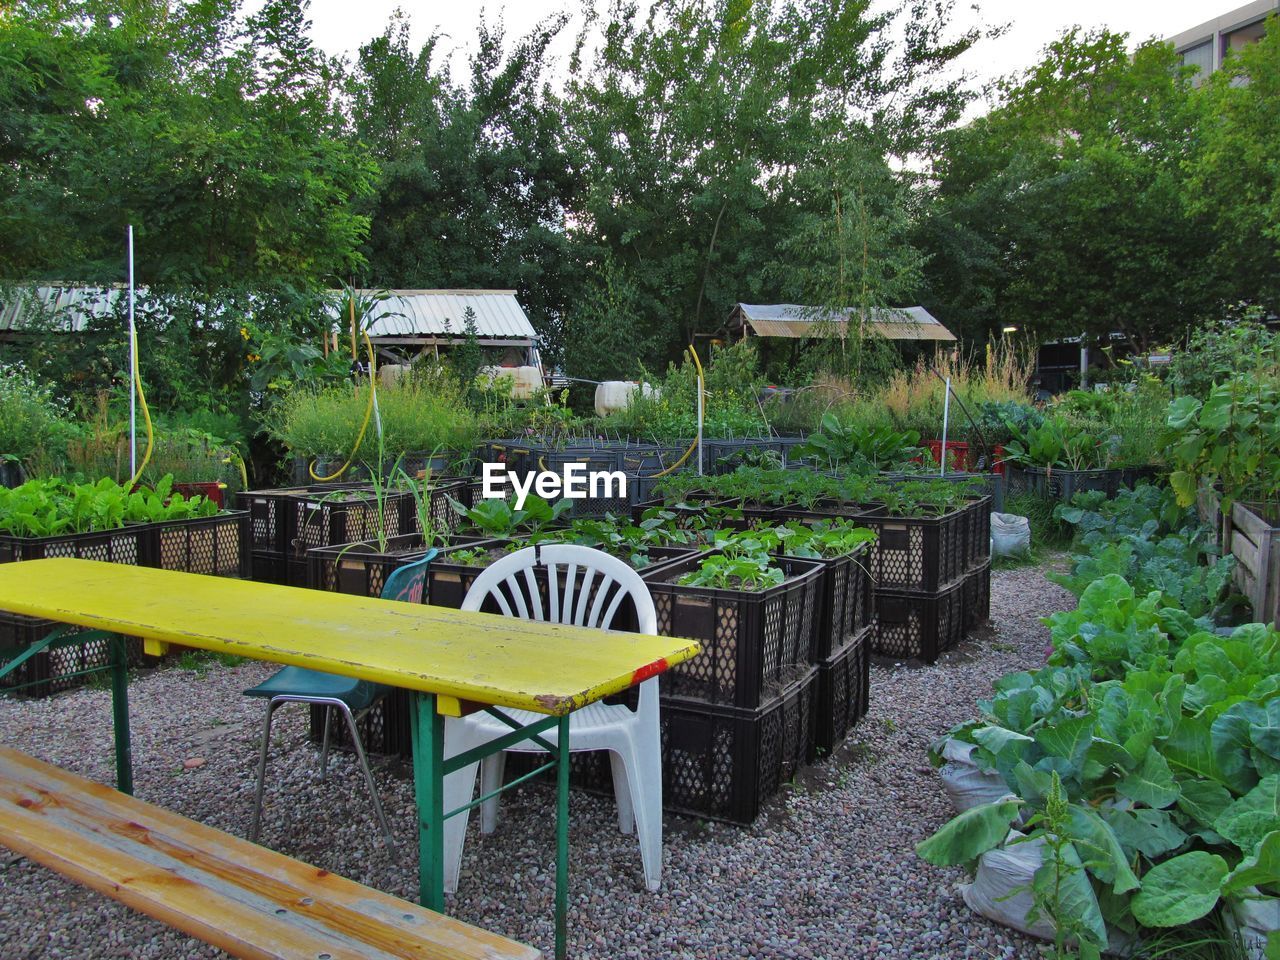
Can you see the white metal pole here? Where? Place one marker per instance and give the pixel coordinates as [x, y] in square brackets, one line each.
[699, 453]
[133, 368]
[946, 415]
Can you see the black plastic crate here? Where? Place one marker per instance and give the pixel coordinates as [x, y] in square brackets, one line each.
[217, 546]
[271, 516]
[724, 456]
[977, 550]
[847, 602]
[130, 545]
[918, 553]
[362, 569]
[1055, 484]
[56, 668]
[918, 625]
[347, 516]
[754, 643]
[267, 567]
[722, 763]
[977, 596]
[844, 692]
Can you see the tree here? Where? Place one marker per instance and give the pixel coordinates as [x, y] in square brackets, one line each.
[219, 142]
[475, 178]
[1235, 175]
[699, 122]
[1065, 210]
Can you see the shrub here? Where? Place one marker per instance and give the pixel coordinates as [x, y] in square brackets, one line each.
[32, 422]
[421, 412]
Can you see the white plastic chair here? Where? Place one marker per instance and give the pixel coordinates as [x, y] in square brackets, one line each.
[585, 587]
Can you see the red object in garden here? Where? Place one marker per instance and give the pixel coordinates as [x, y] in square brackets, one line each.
[212, 489]
[957, 454]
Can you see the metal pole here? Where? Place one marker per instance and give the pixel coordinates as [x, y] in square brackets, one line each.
[946, 415]
[133, 368]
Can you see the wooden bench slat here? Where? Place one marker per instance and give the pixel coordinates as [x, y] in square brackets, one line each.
[214, 886]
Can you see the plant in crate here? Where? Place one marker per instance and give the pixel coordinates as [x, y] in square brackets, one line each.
[1232, 438]
[501, 519]
[860, 447]
[1059, 442]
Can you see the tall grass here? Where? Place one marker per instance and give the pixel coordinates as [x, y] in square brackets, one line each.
[421, 412]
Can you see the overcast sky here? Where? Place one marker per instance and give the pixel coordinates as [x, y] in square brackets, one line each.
[341, 26]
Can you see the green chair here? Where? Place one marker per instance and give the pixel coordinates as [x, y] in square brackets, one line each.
[352, 698]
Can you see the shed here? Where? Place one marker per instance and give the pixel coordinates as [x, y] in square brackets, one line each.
[794, 321]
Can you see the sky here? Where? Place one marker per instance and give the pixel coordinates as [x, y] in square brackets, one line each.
[341, 26]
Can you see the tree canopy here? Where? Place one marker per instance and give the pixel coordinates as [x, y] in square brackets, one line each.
[691, 154]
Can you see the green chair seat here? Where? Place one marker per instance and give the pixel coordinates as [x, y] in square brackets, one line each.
[300, 682]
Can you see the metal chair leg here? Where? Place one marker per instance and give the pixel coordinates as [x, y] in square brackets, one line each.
[256, 824]
[324, 751]
[368, 776]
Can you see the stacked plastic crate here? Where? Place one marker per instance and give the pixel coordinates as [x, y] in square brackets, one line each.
[925, 568]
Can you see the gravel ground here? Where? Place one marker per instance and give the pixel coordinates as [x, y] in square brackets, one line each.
[828, 871]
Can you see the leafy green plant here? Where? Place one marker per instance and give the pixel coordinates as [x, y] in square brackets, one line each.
[44, 508]
[1059, 442]
[1231, 438]
[863, 448]
[499, 518]
[32, 419]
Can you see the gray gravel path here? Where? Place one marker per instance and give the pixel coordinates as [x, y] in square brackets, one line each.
[828, 871]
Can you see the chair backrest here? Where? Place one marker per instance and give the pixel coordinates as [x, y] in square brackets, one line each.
[409, 583]
[583, 586]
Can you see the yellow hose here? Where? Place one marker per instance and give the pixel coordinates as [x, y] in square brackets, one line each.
[146, 413]
[368, 413]
[693, 446]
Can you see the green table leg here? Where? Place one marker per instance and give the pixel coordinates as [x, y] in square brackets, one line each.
[427, 731]
[120, 714]
[562, 838]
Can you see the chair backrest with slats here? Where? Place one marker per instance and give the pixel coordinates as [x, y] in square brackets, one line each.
[409, 583]
[579, 585]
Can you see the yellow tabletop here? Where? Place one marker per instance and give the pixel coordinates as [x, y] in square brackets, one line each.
[479, 657]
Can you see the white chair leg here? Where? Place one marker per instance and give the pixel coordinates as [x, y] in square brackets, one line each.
[459, 787]
[492, 770]
[644, 775]
[622, 794]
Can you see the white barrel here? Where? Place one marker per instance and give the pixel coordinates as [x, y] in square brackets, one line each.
[525, 381]
[615, 395]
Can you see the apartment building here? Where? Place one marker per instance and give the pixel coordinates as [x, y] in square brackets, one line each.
[1206, 46]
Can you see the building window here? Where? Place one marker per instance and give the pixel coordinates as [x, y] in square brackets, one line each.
[1201, 57]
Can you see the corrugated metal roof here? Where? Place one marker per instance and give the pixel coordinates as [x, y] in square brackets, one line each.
[410, 313]
[407, 313]
[794, 320]
[63, 306]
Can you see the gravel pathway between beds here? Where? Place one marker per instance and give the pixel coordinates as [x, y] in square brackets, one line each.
[828, 871]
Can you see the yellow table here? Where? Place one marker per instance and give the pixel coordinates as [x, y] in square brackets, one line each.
[453, 661]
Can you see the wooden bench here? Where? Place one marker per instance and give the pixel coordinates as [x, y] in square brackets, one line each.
[236, 895]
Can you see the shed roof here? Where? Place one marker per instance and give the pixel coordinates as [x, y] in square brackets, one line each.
[433, 313]
[65, 307]
[406, 313]
[794, 320]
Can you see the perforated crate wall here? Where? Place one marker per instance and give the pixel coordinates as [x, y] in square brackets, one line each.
[271, 517]
[977, 596]
[217, 546]
[918, 626]
[322, 522]
[128, 545]
[722, 763]
[978, 534]
[1065, 484]
[50, 671]
[362, 570]
[753, 643]
[918, 553]
[844, 692]
[847, 601]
